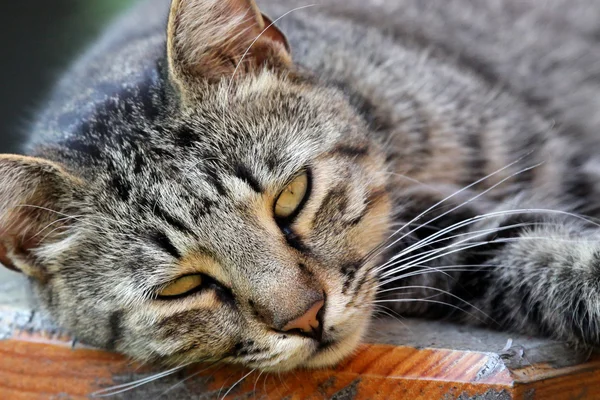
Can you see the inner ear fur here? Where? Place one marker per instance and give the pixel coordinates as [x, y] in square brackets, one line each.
[33, 195]
[207, 39]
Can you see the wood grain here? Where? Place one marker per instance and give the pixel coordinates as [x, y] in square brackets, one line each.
[420, 360]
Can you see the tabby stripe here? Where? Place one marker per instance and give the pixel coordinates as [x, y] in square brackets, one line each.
[356, 291]
[185, 137]
[273, 161]
[89, 149]
[160, 213]
[353, 152]
[163, 241]
[364, 107]
[349, 271]
[202, 207]
[115, 326]
[50, 296]
[475, 163]
[243, 173]
[334, 201]
[475, 284]
[122, 187]
[371, 201]
[423, 128]
[138, 163]
[215, 180]
[580, 186]
[531, 143]
[294, 240]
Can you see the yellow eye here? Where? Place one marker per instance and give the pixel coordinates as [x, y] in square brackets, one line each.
[181, 286]
[292, 196]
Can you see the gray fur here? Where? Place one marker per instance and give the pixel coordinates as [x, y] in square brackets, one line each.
[392, 106]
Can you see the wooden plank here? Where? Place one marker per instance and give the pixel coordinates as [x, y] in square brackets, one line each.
[411, 359]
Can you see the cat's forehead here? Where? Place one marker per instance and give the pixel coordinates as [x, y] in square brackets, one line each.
[222, 147]
[267, 133]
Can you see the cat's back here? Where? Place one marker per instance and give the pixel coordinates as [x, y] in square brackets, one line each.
[546, 53]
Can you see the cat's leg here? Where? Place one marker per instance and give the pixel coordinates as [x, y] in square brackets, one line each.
[536, 272]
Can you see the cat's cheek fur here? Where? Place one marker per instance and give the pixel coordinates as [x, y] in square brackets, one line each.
[199, 329]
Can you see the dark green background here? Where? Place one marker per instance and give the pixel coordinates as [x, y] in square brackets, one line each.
[38, 40]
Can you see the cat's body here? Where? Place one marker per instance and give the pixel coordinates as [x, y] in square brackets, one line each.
[391, 106]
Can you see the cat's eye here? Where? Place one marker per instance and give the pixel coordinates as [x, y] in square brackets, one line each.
[182, 286]
[291, 198]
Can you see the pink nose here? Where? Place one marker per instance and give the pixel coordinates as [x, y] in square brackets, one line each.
[308, 322]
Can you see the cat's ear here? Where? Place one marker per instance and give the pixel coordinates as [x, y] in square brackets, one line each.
[208, 38]
[33, 192]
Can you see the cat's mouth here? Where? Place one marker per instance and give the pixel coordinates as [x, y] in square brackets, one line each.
[331, 352]
[324, 346]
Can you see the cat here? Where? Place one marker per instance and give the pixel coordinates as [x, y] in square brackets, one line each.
[207, 183]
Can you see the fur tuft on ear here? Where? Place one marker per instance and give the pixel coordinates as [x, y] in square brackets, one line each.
[33, 195]
[207, 39]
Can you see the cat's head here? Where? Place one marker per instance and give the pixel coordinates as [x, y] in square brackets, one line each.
[236, 226]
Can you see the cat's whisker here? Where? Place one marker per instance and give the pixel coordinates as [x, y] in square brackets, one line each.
[195, 374]
[429, 240]
[425, 269]
[237, 67]
[469, 200]
[477, 244]
[79, 218]
[237, 383]
[432, 227]
[432, 302]
[392, 267]
[257, 379]
[118, 389]
[390, 313]
[444, 292]
[424, 259]
[86, 220]
[114, 221]
[385, 245]
[283, 381]
[408, 178]
[52, 231]
[267, 376]
[470, 235]
[58, 221]
[472, 220]
[419, 216]
[423, 243]
[43, 209]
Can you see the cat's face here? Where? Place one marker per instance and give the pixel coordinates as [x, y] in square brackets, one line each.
[239, 232]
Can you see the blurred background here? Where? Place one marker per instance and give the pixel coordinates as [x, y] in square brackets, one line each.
[39, 39]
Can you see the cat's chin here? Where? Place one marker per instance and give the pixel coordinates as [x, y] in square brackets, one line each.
[319, 356]
[334, 353]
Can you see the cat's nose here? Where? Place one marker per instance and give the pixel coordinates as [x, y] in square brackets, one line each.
[308, 324]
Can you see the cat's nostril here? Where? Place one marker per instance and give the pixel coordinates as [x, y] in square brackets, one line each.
[310, 323]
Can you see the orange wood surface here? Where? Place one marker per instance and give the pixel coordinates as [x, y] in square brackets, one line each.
[34, 366]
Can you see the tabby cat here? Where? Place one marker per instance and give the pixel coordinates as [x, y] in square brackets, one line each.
[208, 183]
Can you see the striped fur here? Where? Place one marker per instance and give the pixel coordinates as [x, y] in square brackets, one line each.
[163, 149]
